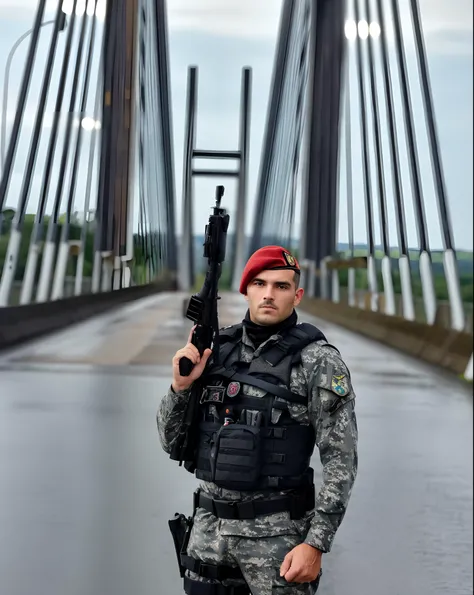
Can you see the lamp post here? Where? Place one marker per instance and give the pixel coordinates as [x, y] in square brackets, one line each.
[62, 26]
[363, 29]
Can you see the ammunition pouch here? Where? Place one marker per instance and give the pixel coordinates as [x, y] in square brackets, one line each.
[236, 457]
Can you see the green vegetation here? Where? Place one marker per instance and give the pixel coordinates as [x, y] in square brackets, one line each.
[465, 263]
[139, 264]
[74, 234]
[465, 266]
[441, 288]
[466, 276]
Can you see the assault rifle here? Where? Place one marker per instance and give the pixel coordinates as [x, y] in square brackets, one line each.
[202, 309]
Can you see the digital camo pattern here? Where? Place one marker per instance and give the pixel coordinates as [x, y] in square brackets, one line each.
[169, 417]
[259, 560]
[323, 375]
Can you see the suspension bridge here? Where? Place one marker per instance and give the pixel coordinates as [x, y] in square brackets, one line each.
[96, 265]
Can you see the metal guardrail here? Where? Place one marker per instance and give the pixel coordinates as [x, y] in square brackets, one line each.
[445, 348]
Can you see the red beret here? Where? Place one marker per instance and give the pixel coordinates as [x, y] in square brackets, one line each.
[264, 259]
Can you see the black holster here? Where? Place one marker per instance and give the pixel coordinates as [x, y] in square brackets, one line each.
[180, 527]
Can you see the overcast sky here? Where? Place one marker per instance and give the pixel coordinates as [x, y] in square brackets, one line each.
[222, 37]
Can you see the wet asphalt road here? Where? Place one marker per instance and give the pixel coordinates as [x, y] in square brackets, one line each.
[86, 492]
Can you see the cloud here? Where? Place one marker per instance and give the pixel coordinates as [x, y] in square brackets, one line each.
[235, 18]
[23, 10]
[449, 42]
[447, 26]
[220, 61]
[18, 5]
[439, 15]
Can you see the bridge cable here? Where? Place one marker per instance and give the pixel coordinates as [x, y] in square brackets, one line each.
[21, 104]
[394, 151]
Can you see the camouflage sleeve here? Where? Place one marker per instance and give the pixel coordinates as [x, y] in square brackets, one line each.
[169, 416]
[333, 416]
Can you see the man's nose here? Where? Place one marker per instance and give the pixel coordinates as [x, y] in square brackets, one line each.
[269, 294]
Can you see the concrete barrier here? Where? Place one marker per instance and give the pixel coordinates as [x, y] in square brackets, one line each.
[449, 349]
[20, 324]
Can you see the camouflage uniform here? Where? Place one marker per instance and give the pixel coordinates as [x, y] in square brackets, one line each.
[258, 546]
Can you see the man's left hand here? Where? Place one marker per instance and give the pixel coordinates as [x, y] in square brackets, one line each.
[302, 564]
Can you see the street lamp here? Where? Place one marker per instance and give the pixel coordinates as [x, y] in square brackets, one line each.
[62, 26]
[89, 124]
[362, 29]
[350, 30]
[374, 30]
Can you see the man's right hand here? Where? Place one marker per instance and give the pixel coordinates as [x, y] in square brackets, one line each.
[190, 351]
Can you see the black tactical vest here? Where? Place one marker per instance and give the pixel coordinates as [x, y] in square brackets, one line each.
[239, 447]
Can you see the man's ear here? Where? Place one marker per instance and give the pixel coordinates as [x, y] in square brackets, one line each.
[299, 296]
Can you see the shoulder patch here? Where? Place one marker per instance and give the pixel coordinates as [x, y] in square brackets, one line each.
[340, 385]
[333, 375]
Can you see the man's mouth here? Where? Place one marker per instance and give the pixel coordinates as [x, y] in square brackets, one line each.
[267, 307]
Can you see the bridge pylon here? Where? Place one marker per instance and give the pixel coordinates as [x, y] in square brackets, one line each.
[191, 153]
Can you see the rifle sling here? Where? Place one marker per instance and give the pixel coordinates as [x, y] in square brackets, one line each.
[269, 387]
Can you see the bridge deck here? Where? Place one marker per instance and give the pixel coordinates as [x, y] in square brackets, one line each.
[86, 491]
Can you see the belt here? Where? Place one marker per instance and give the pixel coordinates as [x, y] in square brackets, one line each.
[297, 504]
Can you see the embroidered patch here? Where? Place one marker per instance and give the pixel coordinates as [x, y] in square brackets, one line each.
[233, 389]
[340, 385]
[213, 394]
[289, 259]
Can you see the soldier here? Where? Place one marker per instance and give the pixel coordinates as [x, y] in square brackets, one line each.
[278, 390]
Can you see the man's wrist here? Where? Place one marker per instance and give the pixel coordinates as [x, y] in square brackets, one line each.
[317, 544]
[177, 389]
[317, 550]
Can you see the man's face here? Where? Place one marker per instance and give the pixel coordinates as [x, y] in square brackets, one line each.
[271, 296]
